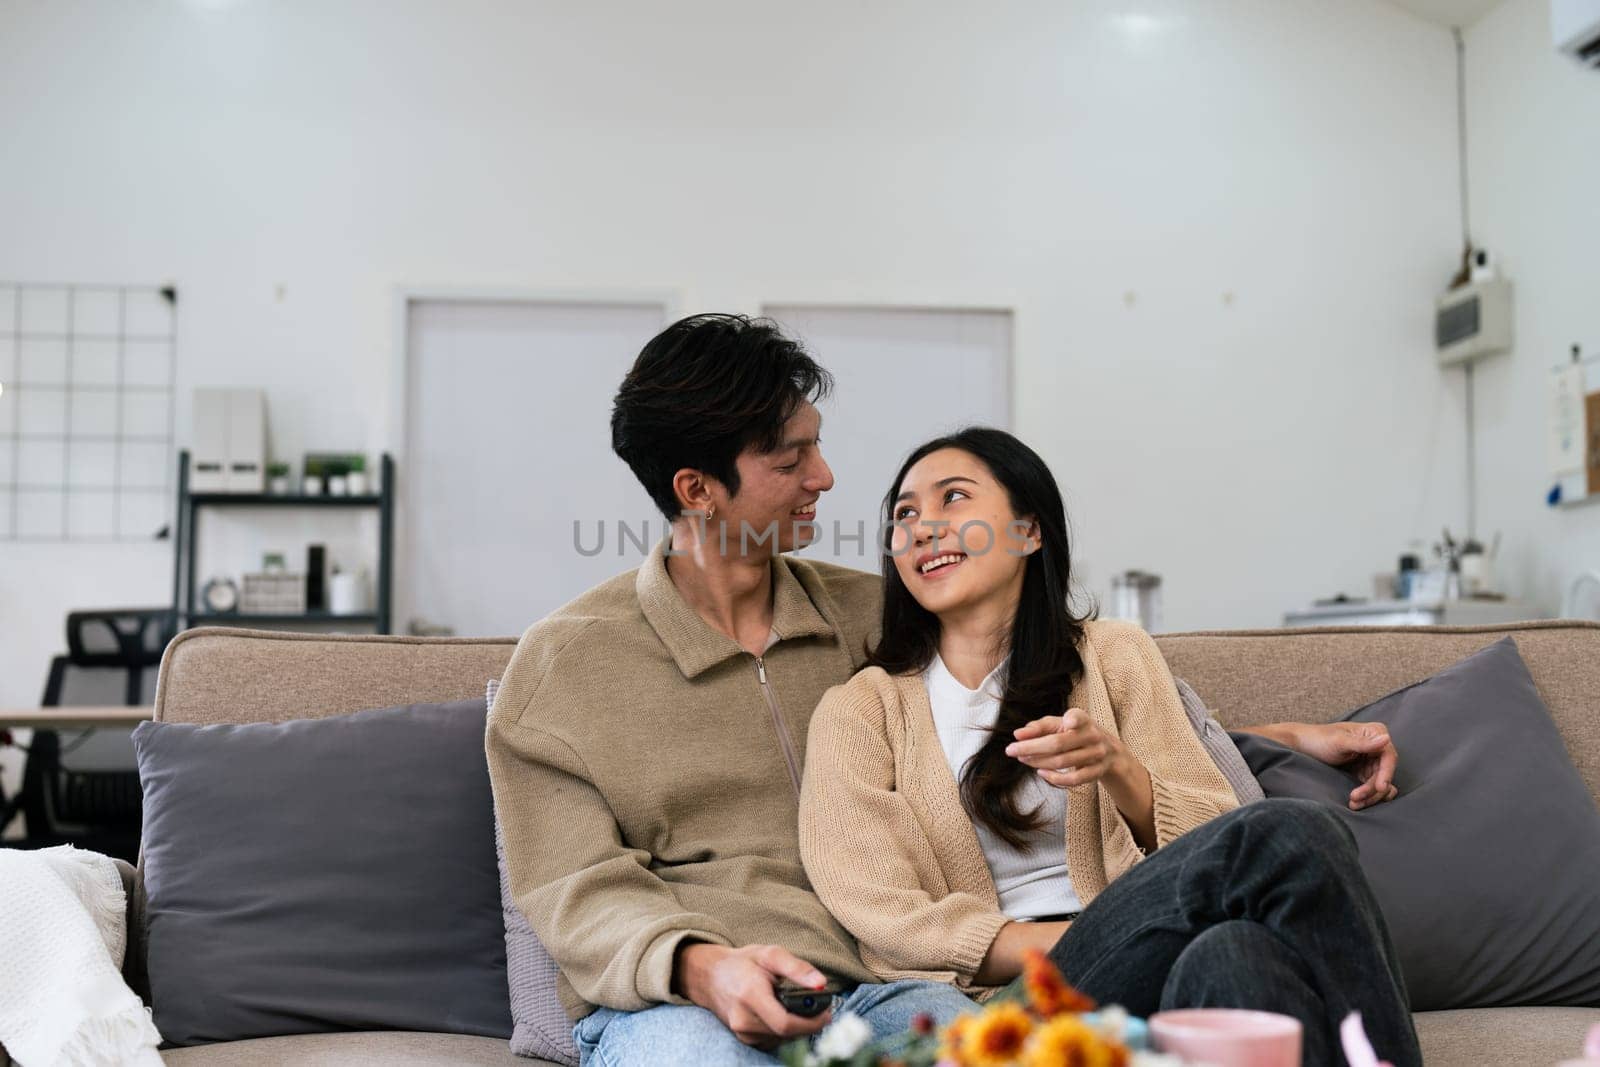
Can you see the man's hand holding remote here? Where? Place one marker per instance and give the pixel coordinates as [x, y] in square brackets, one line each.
[737, 986]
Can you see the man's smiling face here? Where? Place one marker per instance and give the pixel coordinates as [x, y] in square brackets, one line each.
[777, 490]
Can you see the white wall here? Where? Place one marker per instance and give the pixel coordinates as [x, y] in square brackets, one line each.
[1534, 164]
[1219, 225]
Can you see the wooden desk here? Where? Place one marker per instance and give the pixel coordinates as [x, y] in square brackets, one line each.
[70, 718]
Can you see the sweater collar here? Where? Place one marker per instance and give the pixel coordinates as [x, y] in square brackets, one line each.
[694, 645]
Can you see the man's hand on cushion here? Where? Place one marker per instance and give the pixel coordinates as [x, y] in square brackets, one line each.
[1362, 748]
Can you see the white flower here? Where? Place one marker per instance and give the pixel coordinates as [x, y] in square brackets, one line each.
[1111, 1022]
[843, 1038]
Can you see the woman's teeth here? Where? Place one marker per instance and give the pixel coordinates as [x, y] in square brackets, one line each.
[940, 561]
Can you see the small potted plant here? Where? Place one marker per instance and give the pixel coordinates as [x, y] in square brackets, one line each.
[278, 479]
[338, 481]
[311, 483]
[355, 477]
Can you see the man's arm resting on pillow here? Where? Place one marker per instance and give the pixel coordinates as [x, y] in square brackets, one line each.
[1362, 748]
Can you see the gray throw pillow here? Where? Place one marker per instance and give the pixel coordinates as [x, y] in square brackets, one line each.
[1219, 746]
[541, 1028]
[322, 875]
[1487, 864]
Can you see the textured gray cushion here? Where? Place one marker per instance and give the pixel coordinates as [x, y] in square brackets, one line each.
[321, 875]
[1487, 865]
[1219, 746]
[541, 1027]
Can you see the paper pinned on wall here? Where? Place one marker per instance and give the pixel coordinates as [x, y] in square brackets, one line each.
[1574, 443]
[1567, 422]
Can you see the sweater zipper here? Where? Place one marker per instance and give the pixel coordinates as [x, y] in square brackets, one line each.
[777, 724]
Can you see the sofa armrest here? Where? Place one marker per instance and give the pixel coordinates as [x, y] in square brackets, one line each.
[133, 958]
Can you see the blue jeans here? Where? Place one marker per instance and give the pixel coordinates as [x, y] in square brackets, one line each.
[670, 1035]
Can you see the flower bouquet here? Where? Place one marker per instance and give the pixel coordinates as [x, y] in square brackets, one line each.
[1046, 1023]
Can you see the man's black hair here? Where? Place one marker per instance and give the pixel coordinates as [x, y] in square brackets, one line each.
[702, 391]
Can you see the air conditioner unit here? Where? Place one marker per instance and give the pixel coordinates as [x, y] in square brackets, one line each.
[1473, 321]
[1575, 29]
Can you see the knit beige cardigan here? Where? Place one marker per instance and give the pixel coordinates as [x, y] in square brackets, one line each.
[892, 852]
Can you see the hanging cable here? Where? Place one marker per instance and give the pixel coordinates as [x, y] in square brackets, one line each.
[1461, 134]
[1472, 463]
[1466, 245]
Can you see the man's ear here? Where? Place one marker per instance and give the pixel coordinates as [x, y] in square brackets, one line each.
[694, 490]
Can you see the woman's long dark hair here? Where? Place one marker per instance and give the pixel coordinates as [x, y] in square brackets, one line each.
[1044, 637]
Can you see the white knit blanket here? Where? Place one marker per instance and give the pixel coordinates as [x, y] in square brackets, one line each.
[63, 931]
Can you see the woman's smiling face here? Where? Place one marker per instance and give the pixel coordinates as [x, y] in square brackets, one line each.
[956, 543]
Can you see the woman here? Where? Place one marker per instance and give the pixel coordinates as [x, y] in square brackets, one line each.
[1004, 763]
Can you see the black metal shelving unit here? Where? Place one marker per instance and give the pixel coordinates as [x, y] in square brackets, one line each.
[183, 571]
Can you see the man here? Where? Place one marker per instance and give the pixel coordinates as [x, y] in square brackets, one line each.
[646, 744]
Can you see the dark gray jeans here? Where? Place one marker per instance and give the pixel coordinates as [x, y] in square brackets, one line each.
[1265, 907]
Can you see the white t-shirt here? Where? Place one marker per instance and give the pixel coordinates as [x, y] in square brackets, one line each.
[1033, 883]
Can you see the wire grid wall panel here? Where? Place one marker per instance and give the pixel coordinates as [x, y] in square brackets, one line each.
[86, 411]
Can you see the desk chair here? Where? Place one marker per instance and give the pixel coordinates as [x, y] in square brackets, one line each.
[86, 792]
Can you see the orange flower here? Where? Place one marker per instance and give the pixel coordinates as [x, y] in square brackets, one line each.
[953, 1040]
[1049, 994]
[1067, 1041]
[996, 1037]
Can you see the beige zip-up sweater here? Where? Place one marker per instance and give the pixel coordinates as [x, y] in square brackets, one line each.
[892, 851]
[646, 777]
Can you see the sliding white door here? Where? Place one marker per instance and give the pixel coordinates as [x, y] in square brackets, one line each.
[507, 442]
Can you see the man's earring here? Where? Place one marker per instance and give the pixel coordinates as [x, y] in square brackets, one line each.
[710, 511]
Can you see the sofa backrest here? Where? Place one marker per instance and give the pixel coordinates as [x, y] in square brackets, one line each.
[1250, 677]
[217, 675]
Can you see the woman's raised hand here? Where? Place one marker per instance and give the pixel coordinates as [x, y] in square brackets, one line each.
[1068, 750]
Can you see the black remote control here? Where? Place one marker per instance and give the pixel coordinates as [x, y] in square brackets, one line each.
[806, 1003]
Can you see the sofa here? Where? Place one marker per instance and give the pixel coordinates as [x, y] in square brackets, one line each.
[1247, 677]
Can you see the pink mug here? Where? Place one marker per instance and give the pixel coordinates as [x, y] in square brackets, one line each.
[1228, 1037]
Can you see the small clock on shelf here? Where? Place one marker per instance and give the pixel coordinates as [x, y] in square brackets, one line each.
[221, 595]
